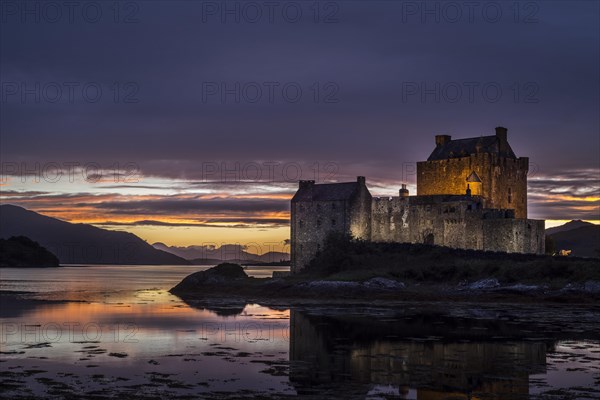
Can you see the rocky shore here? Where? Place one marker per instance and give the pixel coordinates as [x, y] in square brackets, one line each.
[229, 281]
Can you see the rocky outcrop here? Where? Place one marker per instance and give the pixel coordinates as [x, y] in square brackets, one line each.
[20, 251]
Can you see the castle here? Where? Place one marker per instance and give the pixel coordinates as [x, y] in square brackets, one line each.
[471, 194]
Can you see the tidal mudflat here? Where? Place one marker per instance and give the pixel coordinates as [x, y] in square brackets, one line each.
[122, 334]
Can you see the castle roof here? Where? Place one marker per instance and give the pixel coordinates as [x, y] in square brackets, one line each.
[326, 192]
[465, 147]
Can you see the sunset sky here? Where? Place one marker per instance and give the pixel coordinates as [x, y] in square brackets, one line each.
[187, 123]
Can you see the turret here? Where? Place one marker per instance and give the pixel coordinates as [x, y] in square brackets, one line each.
[441, 140]
[404, 191]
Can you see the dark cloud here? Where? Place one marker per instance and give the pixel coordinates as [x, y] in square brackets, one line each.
[192, 206]
[363, 62]
[21, 194]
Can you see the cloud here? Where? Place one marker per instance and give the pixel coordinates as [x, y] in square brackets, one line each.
[193, 206]
[211, 223]
[249, 155]
[570, 194]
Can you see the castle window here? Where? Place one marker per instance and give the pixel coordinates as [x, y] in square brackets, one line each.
[333, 222]
[333, 206]
[318, 207]
[300, 223]
[509, 196]
[318, 222]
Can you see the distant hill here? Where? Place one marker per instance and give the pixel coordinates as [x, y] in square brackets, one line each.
[583, 241]
[20, 251]
[576, 223]
[229, 252]
[81, 243]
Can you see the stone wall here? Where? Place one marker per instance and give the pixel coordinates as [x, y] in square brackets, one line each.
[389, 219]
[504, 180]
[313, 221]
[359, 215]
[464, 224]
[514, 235]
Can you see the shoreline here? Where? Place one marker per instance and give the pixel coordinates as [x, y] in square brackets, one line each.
[293, 292]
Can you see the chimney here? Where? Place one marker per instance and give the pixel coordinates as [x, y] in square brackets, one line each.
[441, 140]
[404, 191]
[306, 184]
[361, 180]
[502, 134]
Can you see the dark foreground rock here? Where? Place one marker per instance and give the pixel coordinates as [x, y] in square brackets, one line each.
[223, 275]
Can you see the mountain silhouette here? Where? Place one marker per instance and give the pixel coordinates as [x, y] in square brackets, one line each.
[227, 252]
[574, 224]
[81, 243]
[583, 241]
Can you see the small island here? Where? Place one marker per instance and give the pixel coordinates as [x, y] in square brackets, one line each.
[20, 251]
[363, 272]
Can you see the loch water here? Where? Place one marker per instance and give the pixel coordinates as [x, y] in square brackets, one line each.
[116, 332]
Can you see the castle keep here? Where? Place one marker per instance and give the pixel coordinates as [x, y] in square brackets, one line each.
[471, 194]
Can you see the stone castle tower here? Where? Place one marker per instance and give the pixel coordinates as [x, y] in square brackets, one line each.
[318, 210]
[486, 165]
[471, 194]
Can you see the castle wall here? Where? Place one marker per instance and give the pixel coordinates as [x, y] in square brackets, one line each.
[389, 219]
[463, 224]
[504, 180]
[428, 220]
[359, 215]
[514, 235]
[313, 221]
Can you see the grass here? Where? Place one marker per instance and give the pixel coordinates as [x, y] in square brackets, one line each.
[343, 258]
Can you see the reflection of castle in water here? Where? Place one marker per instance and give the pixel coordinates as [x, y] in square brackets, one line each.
[449, 359]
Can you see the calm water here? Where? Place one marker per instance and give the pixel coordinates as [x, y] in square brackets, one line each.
[115, 331]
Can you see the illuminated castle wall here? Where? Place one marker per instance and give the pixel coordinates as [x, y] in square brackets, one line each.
[487, 165]
[471, 194]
